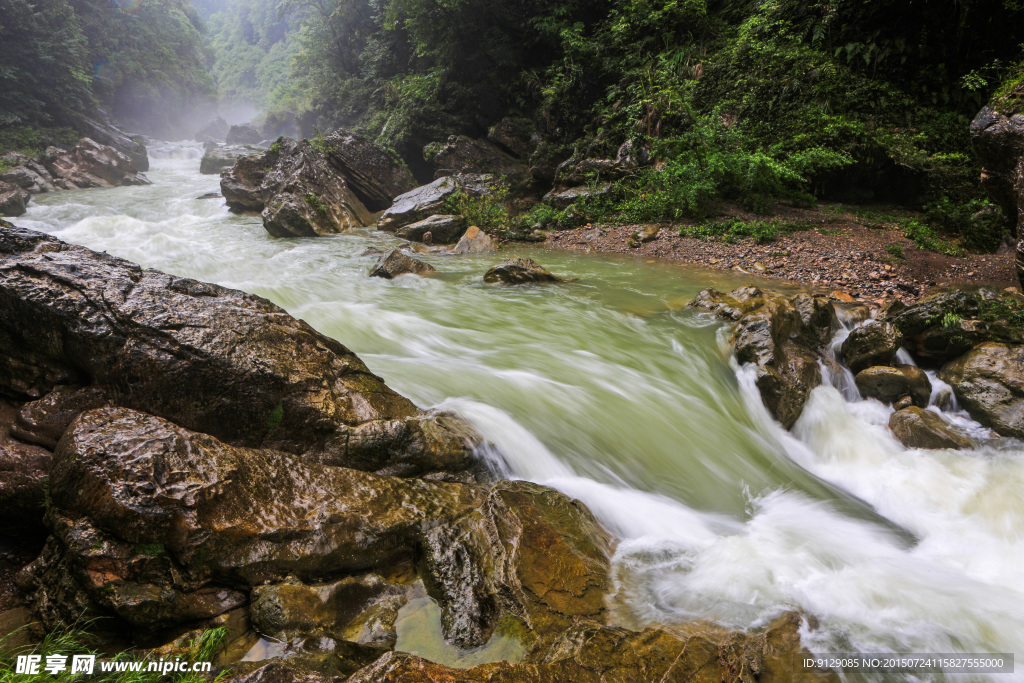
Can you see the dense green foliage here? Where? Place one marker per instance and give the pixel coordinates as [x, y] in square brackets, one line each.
[141, 60]
[254, 43]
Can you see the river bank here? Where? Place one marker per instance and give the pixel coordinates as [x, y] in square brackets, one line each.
[860, 252]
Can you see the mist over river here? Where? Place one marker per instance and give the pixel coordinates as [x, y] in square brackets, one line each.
[610, 390]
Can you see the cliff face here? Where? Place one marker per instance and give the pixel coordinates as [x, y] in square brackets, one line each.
[997, 134]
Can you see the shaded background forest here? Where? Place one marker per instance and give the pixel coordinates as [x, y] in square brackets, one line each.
[741, 100]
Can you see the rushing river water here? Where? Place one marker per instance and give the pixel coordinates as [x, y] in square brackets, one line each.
[609, 390]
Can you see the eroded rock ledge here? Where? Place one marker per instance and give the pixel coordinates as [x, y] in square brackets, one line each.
[212, 461]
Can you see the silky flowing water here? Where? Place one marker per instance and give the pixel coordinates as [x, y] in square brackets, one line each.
[608, 389]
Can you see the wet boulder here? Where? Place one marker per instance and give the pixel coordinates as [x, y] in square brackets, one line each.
[28, 175]
[13, 200]
[474, 241]
[890, 384]
[874, 343]
[212, 359]
[519, 271]
[23, 471]
[395, 263]
[242, 184]
[989, 383]
[214, 131]
[428, 200]
[997, 134]
[152, 521]
[222, 157]
[461, 155]
[245, 134]
[376, 175]
[916, 427]
[443, 229]
[90, 164]
[784, 338]
[108, 134]
[43, 422]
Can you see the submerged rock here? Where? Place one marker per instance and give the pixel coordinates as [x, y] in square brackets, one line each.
[395, 263]
[916, 427]
[989, 383]
[518, 271]
[473, 242]
[783, 337]
[874, 343]
[890, 384]
[443, 229]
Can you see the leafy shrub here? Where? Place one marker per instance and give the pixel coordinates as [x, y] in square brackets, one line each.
[982, 234]
[730, 230]
[925, 237]
[488, 212]
[896, 251]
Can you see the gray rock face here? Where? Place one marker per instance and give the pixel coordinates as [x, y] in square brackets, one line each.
[784, 337]
[563, 199]
[444, 229]
[518, 136]
[107, 134]
[224, 157]
[395, 263]
[243, 135]
[989, 382]
[519, 271]
[890, 384]
[211, 359]
[13, 200]
[306, 190]
[462, 155]
[428, 200]
[874, 343]
[90, 164]
[919, 428]
[215, 131]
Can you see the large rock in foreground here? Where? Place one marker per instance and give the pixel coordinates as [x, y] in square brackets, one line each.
[783, 337]
[211, 359]
[989, 382]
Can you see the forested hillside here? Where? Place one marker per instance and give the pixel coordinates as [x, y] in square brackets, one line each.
[143, 61]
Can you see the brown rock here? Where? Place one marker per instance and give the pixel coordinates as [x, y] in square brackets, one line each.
[474, 241]
[443, 229]
[989, 382]
[890, 384]
[518, 271]
[874, 343]
[395, 263]
[919, 428]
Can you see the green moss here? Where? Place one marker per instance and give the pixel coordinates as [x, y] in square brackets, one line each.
[276, 417]
[925, 237]
[1008, 310]
[150, 549]
[896, 251]
[318, 205]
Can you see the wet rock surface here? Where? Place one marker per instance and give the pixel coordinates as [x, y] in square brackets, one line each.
[473, 241]
[305, 189]
[13, 199]
[106, 133]
[874, 343]
[395, 263]
[989, 383]
[212, 359]
[783, 337]
[519, 271]
[890, 384]
[919, 428]
[443, 229]
[428, 200]
[88, 164]
[223, 157]
[461, 155]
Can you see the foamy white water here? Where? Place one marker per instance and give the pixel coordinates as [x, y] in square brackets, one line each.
[608, 391]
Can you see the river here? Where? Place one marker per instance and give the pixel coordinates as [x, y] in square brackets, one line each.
[608, 389]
